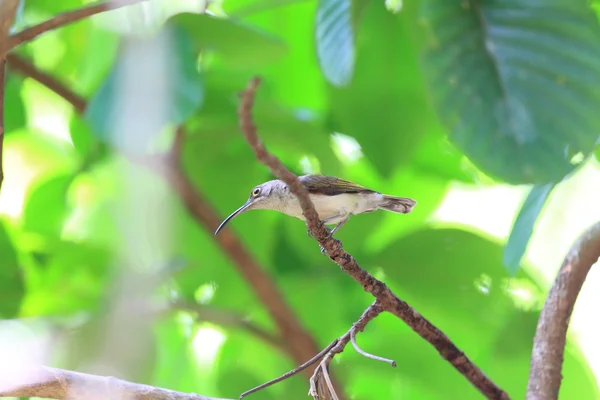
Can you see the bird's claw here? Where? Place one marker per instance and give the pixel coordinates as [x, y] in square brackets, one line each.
[323, 251]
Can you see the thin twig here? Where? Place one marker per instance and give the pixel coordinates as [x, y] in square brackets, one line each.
[389, 301]
[292, 372]
[298, 342]
[550, 337]
[53, 383]
[26, 68]
[66, 18]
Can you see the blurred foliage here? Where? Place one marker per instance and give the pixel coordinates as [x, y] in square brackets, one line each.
[407, 102]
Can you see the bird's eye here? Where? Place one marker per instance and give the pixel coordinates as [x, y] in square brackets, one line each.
[255, 192]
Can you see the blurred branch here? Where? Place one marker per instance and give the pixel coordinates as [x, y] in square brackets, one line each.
[53, 383]
[26, 68]
[228, 318]
[8, 10]
[298, 343]
[386, 298]
[550, 337]
[66, 18]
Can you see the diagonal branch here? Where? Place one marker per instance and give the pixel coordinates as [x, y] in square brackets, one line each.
[550, 337]
[298, 343]
[26, 68]
[53, 383]
[67, 18]
[388, 300]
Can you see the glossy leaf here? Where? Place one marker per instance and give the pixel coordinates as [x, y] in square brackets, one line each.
[522, 228]
[184, 88]
[237, 43]
[388, 117]
[505, 79]
[12, 288]
[334, 35]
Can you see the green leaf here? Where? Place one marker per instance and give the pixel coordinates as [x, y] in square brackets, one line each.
[334, 35]
[597, 153]
[457, 280]
[237, 43]
[46, 206]
[185, 89]
[385, 107]
[12, 287]
[14, 113]
[515, 83]
[522, 228]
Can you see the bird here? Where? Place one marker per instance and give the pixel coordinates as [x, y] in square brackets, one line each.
[335, 200]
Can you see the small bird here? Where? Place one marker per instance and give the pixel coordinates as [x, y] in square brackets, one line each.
[335, 200]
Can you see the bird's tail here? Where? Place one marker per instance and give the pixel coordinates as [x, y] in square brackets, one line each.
[401, 205]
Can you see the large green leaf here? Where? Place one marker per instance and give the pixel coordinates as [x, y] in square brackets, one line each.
[237, 43]
[522, 228]
[12, 287]
[185, 89]
[516, 82]
[384, 107]
[334, 35]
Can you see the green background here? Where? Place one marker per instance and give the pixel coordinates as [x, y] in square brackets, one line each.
[474, 94]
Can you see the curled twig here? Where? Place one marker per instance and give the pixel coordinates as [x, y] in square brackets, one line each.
[368, 355]
[550, 337]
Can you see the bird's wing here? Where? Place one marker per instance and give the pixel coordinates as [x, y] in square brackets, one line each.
[330, 186]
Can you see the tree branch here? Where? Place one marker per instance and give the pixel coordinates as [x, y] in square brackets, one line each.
[298, 343]
[66, 18]
[8, 10]
[26, 68]
[388, 300]
[550, 337]
[53, 383]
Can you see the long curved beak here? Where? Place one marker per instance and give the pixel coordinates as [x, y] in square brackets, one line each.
[233, 214]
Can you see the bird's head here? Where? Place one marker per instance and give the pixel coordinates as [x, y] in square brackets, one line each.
[262, 197]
